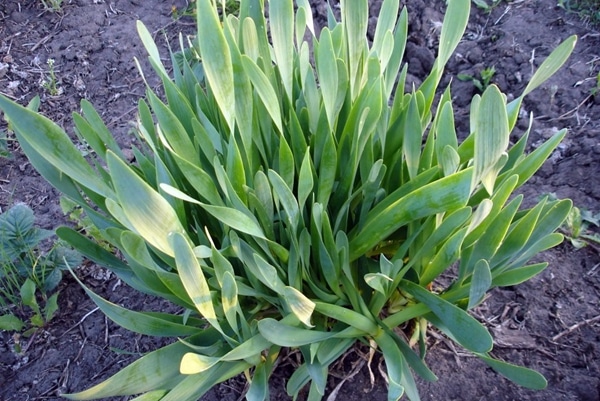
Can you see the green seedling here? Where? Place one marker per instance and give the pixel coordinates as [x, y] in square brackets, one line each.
[51, 82]
[577, 227]
[52, 5]
[587, 10]
[483, 5]
[4, 150]
[595, 91]
[83, 223]
[484, 80]
[29, 276]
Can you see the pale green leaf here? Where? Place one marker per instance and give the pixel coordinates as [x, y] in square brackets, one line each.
[50, 142]
[216, 59]
[481, 282]
[491, 136]
[522, 376]
[446, 194]
[11, 323]
[300, 305]
[193, 278]
[468, 332]
[289, 336]
[265, 90]
[146, 210]
[518, 275]
[281, 20]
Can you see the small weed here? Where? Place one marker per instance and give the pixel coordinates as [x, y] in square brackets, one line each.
[577, 227]
[52, 5]
[231, 7]
[487, 8]
[83, 223]
[4, 151]
[587, 10]
[484, 80]
[595, 91]
[51, 83]
[28, 275]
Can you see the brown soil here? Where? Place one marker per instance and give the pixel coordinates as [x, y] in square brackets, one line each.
[549, 323]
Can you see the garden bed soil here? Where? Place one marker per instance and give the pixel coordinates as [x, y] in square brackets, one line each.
[549, 324]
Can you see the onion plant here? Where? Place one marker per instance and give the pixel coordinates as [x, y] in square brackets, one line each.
[289, 194]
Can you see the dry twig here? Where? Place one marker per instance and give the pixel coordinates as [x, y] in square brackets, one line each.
[575, 327]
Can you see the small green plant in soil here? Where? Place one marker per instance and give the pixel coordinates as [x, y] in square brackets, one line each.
[577, 227]
[28, 275]
[4, 150]
[289, 196]
[51, 82]
[485, 6]
[587, 10]
[52, 5]
[595, 91]
[484, 80]
[231, 7]
[83, 224]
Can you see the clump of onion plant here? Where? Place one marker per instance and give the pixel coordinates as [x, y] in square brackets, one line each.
[290, 194]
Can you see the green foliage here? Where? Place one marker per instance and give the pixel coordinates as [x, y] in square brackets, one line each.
[577, 227]
[484, 80]
[482, 4]
[4, 150]
[290, 194]
[51, 82]
[83, 223]
[595, 91]
[588, 10]
[230, 7]
[52, 5]
[26, 271]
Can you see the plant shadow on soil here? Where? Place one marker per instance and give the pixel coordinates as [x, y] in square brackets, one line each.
[545, 324]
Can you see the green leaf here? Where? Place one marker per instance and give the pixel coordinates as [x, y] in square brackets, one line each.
[305, 180]
[491, 137]
[355, 17]
[446, 194]
[51, 307]
[289, 336]
[287, 199]
[265, 90]
[518, 275]
[378, 281]
[328, 75]
[228, 216]
[28, 295]
[229, 299]
[480, 283]
[139, 322]
[522, 376]
[395, 365]
[300, 305]
[150, 215]
[555, 60]
[156, 370]
[412, 138]
[51, 143]
[11, 323]
[468, 332]
[151, 47]
[454, 25]
[281, 22]
[193, 278]
[216, 59]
